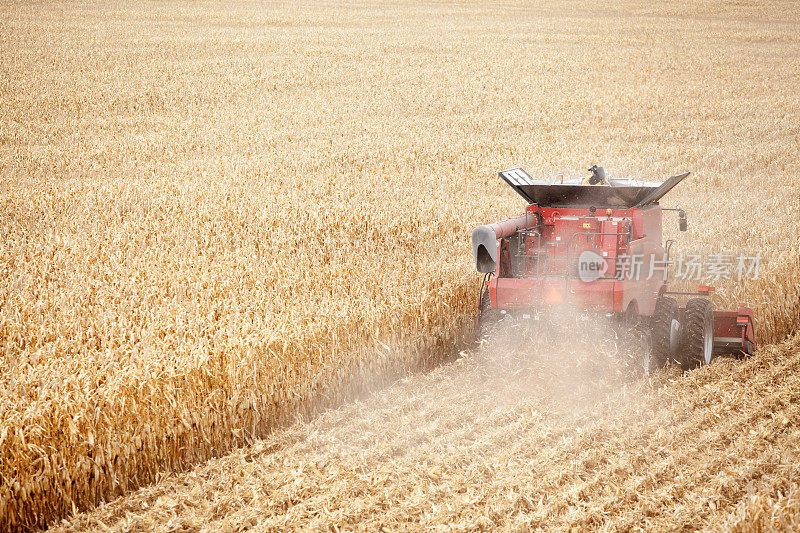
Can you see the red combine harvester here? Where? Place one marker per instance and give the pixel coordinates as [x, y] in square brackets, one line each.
[596, 245]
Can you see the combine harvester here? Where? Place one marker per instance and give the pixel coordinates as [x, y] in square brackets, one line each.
[596, 246]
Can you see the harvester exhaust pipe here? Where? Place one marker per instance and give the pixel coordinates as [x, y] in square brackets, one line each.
[484, 241]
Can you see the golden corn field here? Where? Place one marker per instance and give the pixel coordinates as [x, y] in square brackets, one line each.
[219, 217]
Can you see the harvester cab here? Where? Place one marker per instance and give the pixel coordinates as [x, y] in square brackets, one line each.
[595, 245]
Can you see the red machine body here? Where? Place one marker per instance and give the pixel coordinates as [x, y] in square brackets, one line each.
[534, 261]
[535, 266]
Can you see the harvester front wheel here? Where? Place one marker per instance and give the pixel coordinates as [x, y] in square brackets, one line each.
[665, 332]
[698, 334]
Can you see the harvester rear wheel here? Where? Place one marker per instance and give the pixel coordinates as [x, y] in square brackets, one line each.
[638, 337]
[698, 334]
[665, 332]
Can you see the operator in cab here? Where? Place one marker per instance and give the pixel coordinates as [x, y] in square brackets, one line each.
[598, 177]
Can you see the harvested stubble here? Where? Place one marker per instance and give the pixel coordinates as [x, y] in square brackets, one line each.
[217, 216]
[512, 438]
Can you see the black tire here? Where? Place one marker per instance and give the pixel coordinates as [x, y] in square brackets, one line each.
[664, 332]
[638, 337]
[697, 347]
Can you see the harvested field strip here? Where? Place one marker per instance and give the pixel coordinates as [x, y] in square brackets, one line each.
[706, 449]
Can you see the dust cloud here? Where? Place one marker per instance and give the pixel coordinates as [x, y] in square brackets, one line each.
[565, 359]
[554, 373]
